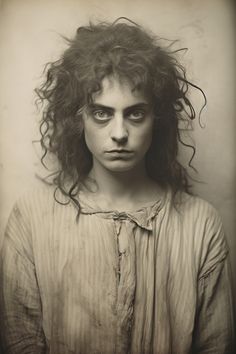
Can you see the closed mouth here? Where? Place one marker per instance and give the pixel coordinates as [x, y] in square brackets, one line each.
[119, 151]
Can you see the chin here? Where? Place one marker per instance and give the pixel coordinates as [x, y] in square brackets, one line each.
[120, 166]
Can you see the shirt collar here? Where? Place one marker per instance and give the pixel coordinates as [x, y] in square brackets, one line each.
[142, 217]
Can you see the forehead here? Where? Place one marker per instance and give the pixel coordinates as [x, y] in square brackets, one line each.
[116, 92]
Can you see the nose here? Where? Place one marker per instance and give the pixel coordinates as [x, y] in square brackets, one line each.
[119, 132]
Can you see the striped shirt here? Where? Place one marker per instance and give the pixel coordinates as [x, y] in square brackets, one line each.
[151, 281]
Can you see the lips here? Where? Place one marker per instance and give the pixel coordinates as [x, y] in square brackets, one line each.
[119, 151]
[119, 154]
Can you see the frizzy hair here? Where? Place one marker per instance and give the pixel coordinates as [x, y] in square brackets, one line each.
[130, 53]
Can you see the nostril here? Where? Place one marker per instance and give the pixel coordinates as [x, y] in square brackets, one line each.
[121, 139]
[121, 135]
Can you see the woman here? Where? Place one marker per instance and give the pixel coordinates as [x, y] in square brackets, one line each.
[116, 256]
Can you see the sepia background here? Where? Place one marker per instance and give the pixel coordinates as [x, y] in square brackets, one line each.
[30, 36]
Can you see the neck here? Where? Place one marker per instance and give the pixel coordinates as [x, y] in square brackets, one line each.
[121, 190]
[119, 184]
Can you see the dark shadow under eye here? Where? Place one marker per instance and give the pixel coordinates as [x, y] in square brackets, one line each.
[136, 115]
[101, 114]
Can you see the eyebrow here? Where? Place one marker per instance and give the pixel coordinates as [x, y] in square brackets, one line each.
[135, 106]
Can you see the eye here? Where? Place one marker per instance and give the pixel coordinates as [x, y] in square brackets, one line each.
[136, 115]
[101, 115]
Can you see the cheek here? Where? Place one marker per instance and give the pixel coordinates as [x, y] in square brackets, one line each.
[90, 141]
[93, 139]
[145, 137]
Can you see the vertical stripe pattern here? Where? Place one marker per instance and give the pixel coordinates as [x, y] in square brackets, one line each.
[151, 281]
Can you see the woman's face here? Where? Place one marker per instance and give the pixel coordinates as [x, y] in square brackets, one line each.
[118, 126]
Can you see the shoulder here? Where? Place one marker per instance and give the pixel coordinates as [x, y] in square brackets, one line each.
[36, 204]
[190, 210]
[196, 209]
[39, 195]
[36, 211]
[201, 215]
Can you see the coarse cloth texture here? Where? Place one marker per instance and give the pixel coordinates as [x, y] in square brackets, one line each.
[149, 281]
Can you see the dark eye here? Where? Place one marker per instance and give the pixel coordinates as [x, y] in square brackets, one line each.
[136, 115]
[101, 115]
